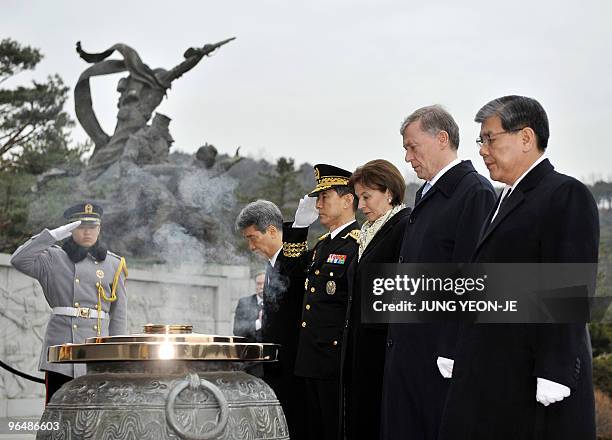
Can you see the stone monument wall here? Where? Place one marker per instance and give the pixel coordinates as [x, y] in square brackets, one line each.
[204, 297]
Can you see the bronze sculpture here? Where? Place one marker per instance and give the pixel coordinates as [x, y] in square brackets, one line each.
[140, 94]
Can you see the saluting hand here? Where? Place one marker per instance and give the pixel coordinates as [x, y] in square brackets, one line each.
[306, 213]
[64, 231]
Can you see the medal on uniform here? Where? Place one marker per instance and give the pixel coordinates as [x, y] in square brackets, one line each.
[100, 273]
[330, 287]
[336, 259]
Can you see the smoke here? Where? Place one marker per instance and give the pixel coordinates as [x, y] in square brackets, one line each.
[213, 194]
[177, 246]
[276, 289]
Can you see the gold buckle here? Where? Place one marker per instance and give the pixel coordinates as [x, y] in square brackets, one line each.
[83, 312]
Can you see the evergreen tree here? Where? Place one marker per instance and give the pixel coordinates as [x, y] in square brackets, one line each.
[282, 186]
[33, 124]
[34, 138]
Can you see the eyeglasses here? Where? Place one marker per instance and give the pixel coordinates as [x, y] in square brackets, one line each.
[487, 139]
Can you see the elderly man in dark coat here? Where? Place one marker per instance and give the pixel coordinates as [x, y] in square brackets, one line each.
[526, 381]
[261, 224]
[443, 227]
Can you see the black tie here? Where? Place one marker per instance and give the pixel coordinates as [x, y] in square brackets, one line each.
[501, 204]
[505, 198]
[269, 270]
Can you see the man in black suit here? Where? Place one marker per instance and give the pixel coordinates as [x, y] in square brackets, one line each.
[261, 224]
[248, 318]
[325, 294]
[526, 381]
[443, 227]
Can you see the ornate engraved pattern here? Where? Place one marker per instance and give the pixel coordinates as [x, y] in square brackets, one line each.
[113, 406]
[131, 426]
[86, 423]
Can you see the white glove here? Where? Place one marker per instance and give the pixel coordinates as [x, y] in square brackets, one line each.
[445, 366]
[64, 231]
[306, 213]
[550, 392]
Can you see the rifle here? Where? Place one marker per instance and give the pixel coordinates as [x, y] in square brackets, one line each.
[206, 50]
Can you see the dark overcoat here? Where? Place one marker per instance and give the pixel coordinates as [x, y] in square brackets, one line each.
[283, 291]
[444, 227]
[363, 349]
[548, 218]
[247, 312]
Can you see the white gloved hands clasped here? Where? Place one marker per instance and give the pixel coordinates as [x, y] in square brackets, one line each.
[445, 366]
[550, 392]
[306, 213]
[64, 231]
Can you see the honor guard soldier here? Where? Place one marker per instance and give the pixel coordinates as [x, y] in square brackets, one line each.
[83, 283]
[325, 292]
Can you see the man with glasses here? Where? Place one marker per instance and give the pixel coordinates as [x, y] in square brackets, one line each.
[526, 381]
[449, 211]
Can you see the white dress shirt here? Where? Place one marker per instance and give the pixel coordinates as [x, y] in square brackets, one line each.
[440, 173]
[509, 188]
[337, 230]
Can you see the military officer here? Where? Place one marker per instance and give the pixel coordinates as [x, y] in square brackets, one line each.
[83, 283]
[325, 292]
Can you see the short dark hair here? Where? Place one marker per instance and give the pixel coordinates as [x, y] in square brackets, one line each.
[517, 112]
[382, 175]
[434, 119]
[261, 214]
[344, 190]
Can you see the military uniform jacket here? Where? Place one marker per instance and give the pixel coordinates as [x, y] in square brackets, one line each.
[325, 300]
[66, 284]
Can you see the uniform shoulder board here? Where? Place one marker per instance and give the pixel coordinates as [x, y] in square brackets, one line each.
[113, 255]
[354, 234]
[323, 237]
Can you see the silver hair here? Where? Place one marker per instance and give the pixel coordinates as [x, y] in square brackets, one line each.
[434, 119]
[516, 112]
[258, 273]
[261, 214]
[497, 107]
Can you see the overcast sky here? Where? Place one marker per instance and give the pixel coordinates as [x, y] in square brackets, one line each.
[331, 81]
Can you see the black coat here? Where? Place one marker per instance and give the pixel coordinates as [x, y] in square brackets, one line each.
[324, 302]
[548, 218]
[283, 291]
[247, 312]
[443, 227]
[363, 349]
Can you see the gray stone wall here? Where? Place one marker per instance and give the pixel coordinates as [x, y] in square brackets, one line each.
[203, 296]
